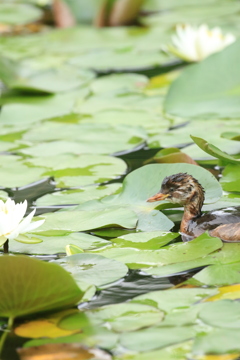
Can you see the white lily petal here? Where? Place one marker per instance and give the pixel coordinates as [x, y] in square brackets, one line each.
[25, 222]
[194, 44]
[18, 213]
[34, 225]
[3, 239]
[13, 235]
[12, 223]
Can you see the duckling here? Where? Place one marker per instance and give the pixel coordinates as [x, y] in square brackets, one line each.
[185, 190]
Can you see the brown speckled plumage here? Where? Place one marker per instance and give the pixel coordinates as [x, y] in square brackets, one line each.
[185, 190]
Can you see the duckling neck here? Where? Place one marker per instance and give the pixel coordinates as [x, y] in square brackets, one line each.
[192, 210]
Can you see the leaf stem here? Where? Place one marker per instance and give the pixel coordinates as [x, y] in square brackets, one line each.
[5, 247]
[5, 333]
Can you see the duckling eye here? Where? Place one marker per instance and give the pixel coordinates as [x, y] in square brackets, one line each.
[171, 189]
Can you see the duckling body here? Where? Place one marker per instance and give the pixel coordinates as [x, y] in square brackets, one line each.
[185, 190]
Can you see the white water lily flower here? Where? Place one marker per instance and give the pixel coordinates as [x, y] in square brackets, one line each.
[12, 223]
[195, 44]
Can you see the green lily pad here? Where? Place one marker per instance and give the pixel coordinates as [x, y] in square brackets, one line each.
[82, 138]
[228, 254]
[155, 5]
[184, 316]
[103, 337]
[172, 12]
[181, 136]
[23, 77]
[18, 14]
[228, 200]
[120, 317]
[151, 122]
[29, 110]
[145, 241]
[218, 341]
[222, 274]
[32, 286]
[129, 316]
[64, 222]
[130, 59]
[174, 352]
[14, 173]
[230, 178]
[155, 338]
[174, 298]
[69, 170]
[176, 253]
[213, 150]
[93, 269]
[79, 170]
[214, 96]
[67, 197]
[229, 311]
[119, 84]
[56, 244]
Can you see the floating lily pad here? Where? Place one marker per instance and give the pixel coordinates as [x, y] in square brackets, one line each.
[120, 317]
[181, 137]
[222, 274]
[79, 170]
[93, 269]
[29, 110]
[175, 298]
[18, 14]
[229, 311]
[230, 178]
[22, 77]
[173, 254]
[14, 173]
[218, 341]
[82, 138]
[146, 240]
[174, 352]
[103, 337]
[64, 222]
[228, 254]
[25, 281]
[119, 84]
[67, 197]
[173, 13]
[155, 338]
[110, 60]
[151, 122]
[131, 101]
[228, 200]
[214, 96]
[57, 244]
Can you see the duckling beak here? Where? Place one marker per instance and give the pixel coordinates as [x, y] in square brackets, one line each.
[158, 197]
